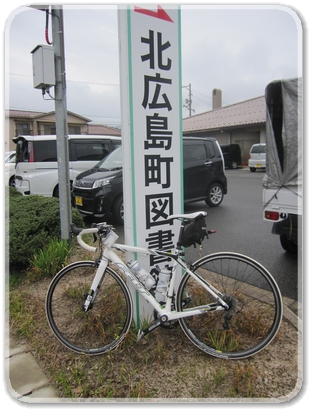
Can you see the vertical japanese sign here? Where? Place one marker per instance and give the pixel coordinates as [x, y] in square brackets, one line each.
[150, 72]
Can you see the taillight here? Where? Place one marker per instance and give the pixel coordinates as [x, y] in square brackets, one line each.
[272, 215]
[31, 152]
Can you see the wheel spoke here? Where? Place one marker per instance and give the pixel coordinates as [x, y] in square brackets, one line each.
[255, 306]
[104, 325]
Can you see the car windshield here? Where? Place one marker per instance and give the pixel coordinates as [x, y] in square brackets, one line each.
[259, 149]
[112, 162]
[9, 157]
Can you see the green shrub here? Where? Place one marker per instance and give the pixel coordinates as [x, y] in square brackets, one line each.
[33, 222]
[50, 259]
[14, 193]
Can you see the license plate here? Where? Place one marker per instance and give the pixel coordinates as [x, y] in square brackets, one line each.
[258, 165]
[79, 201]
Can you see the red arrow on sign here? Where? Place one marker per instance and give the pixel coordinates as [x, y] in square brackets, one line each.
[159, 14]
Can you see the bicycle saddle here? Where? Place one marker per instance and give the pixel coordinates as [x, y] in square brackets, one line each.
[188, 217]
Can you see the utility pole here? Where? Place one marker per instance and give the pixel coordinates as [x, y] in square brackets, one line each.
[61, 122]
[188, 104]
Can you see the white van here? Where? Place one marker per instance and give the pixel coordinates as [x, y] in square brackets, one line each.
[257, 157]
[36, 160]
[9, 168]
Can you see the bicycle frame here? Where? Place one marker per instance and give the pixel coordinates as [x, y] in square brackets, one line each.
[165, 311]
[239, 299]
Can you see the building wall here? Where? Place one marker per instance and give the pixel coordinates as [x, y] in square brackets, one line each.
[244, 136]
[37, 126]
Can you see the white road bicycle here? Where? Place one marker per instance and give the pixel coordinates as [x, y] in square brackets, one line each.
[227, 304]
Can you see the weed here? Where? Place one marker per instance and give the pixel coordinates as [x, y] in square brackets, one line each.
[160, 350]
[15, 278]
[243, 382]
[219, 376]
[20, 317]
[138, 391]
[223, 340]
[206, 389]
[49, 260]
[62, 380]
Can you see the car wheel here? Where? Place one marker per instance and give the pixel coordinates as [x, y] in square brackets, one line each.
[215, 195]
[288, 245]
[252, 169]
[118, 210]
[56, 192]
[12, 181]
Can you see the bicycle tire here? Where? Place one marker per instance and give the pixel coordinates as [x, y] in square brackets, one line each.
[104, 325]
[255, 306]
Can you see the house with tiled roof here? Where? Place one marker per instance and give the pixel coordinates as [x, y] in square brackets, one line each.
[242, 123]
[37, 123]
[101, 129]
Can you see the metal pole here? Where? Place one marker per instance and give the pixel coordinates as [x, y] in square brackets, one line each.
[190, 101]
[61, 122]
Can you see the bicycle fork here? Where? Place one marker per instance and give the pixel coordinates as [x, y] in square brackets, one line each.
[96, 283]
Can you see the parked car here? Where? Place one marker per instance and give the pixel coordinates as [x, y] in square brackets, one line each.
[98, 192]
[257, 157]
[9, 168]
[232, 155]
[36, 160]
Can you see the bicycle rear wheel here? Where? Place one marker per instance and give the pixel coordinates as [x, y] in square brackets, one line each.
[255, 306]
[104, 325]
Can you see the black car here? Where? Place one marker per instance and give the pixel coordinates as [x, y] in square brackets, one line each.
[232, 155]
[99, 192]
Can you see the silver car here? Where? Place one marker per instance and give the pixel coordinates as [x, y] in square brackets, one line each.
[257, 157]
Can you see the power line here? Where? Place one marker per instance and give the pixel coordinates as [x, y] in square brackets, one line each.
[73, 81]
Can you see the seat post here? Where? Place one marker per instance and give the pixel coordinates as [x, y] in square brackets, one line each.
[181, 231]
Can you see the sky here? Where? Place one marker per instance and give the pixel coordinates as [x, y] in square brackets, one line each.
[238, 49]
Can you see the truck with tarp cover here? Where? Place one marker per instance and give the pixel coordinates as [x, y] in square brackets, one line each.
[282, 183]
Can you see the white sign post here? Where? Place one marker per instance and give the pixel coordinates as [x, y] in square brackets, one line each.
[150, 72]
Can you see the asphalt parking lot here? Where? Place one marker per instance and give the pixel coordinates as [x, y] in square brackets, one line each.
[240, 228]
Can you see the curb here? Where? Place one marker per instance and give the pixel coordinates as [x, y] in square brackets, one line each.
[25, 380]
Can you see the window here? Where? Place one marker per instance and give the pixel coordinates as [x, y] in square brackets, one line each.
[45, 151]
[259, 149]
[23, 129]
[116, 143]
[91, 150]
[74, 129]
[49, 129]
[211, 149]
[194, 153]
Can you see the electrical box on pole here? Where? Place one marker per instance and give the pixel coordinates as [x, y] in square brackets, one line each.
[43, 67]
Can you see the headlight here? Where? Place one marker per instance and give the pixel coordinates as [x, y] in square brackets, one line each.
[102, 182]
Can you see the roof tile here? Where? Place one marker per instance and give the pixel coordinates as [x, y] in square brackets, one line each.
[247, 112]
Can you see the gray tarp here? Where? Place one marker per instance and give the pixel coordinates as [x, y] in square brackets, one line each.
[283, 133]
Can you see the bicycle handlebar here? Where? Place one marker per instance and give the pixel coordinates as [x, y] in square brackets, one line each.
[81, 232]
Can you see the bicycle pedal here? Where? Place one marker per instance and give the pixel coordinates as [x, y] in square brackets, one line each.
[140, 335]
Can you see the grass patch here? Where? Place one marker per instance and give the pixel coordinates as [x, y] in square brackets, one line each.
[49, 260]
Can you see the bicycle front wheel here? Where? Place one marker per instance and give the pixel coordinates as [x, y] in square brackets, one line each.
[104, 325]
[255, 306]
